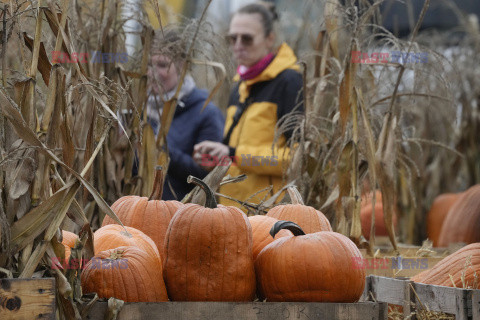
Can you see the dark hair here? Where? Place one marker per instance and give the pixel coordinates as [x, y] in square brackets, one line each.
[266, 11]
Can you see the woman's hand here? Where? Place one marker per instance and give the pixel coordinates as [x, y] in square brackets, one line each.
[208, 154]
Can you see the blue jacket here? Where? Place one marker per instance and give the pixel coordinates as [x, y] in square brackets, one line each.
[190, 126]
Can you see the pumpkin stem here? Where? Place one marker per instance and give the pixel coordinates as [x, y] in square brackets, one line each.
[158, 182]
[295, 196]
[289, 225]
[210, 201]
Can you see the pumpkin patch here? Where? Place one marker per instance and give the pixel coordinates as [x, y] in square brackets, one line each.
[437, 214]
[68, 241]
[114, 235]
[308, 218]
[462, 223]
[149, 215]
[261, 226]
[461, 269]
[209, 253]
[126, 273]
[314, 267]
[366, 215]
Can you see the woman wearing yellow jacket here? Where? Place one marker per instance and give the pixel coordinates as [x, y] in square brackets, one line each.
[269, 87]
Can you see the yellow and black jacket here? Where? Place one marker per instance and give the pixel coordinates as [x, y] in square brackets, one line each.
[264, 100]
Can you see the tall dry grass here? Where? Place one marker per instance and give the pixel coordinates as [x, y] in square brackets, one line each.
[386, 125]
[70, 133]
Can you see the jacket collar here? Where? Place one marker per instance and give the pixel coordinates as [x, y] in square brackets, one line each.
[284, 59]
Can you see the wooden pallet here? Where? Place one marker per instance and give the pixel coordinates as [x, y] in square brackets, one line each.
[463, 303]
[244, 311]
[27, 299]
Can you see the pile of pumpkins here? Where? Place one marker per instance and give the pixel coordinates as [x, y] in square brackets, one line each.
[455, 217]
[177, 252]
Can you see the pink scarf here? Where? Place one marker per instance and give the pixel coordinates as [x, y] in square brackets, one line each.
[247, 73]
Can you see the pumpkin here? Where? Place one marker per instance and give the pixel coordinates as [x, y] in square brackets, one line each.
[437, 214]
[450, 270]
[462, 223]
[114, 235]
[366, 215]
[126, 273]
[315, 267]
[308, 218]
[68, 241]
[209, 253]
[149, 215]
[261, 226]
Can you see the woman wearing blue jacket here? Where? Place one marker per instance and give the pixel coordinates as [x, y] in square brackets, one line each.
[190, 124]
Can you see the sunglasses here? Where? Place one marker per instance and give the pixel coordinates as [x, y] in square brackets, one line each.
[245, 39]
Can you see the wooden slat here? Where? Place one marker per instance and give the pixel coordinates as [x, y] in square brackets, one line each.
[392, 291]
[476, 304]
[366, 290]
[27, 298]
[463, 303]
[244, 311]
[444, 299]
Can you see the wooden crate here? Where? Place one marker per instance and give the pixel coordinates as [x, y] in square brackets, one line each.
[244, 311]
[463, 303]
[27, 299]
[389, 290]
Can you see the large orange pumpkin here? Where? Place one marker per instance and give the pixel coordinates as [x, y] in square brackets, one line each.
[114, 235]
[366, 215]
[68, 241]
[149, 215]
[462, 223]
[454, 270]
[209, 253]
[261, 226]
[437, 214]
[126, 273]
[314, 267]
[308, 218]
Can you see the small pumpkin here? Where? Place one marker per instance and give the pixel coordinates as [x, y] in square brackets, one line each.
[68, 241]
[114, 235]
[454, 271]
[462, 223]
[437, 214]
[261, 226]
[366, 215]
[314, 267]
[209, 253]
[308, 218]
[126, 273]
[149, 215]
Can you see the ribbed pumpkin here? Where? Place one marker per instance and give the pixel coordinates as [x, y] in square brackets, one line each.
[366, 215]
[462, 223]
[126, 273]
[314, 267]
[261, 226]
[114, 235]
[68, 241]
[308, 218]
[454, 265]
[209, 253]
[149, 215]
[437, 214]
